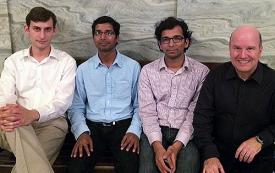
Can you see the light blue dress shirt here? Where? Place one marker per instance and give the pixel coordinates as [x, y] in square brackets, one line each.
[105, 94]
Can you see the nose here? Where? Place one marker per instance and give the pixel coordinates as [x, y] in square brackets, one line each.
[103, 36]
[42, 34]
[171, 42]
[243, 53]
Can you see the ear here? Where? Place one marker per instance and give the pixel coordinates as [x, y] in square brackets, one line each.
[187, 42]
[55, 30]
[117, 39]
[160, 46]
[26, 28]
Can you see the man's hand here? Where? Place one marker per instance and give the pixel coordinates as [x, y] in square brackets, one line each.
[159, 157]
[130, 140]
[248, 150]
[84, 141]
[171, 154]
[15, 115]
[212, 165]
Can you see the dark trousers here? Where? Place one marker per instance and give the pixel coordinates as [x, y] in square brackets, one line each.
[261, 164]
[187, 158]
[106, 137]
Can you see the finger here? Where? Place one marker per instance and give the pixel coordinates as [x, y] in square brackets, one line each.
[170, 164]
[138, 148]
[7, 129]
[221, 170]
[74, 151]
[130, 145]
[173, 162]
[165, 167]
[91, 145]
[135, 145]
[80, 150]
[87, 150]
[123, 142]
[237, 154]
[250, 159]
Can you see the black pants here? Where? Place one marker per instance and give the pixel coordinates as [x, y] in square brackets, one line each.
[262, 163]
[106, 137]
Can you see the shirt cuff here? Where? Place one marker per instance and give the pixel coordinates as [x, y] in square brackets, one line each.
[43, 114]
[183, 138]
[81, 129]
[154, 136]
[135, 130]
[209, 151]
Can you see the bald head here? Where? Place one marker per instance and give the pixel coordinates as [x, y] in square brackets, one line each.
[244, 31]
[245, 50]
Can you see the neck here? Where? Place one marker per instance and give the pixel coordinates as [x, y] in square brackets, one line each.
[107, 58]
[174, 64]
[40, 54]
[245, 75]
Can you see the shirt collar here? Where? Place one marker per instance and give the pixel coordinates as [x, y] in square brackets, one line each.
[186, 64]
[118, 60]
[53, 53]
[256, 76]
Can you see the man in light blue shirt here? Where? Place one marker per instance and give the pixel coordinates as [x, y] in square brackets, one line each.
[104, 113]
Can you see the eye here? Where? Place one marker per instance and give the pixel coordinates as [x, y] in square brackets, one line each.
[37, 29]
[165, 40]
[110, 33]
[48, 29]
[97, 33]
[177, 38]
[251, 48]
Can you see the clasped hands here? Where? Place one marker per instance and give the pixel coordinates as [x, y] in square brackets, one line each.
[13, 116]
[166, 159]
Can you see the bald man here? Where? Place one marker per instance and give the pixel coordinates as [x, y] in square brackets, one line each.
[234, 121]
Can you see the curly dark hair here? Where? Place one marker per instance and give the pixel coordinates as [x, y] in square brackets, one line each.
[170, 23]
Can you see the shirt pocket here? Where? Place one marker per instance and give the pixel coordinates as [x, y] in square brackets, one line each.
[184, 97]
[122, 90]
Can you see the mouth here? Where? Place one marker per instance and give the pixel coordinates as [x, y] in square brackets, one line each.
[42, 42]
[171, 51]
[243, 62]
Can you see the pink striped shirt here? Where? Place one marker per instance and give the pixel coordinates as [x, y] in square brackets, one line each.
[168, 99]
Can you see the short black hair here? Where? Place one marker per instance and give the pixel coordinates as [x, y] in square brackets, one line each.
[40, 14]
[106, 19]
[170, 23]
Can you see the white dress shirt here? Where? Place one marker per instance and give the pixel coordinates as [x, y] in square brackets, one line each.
[45, 86]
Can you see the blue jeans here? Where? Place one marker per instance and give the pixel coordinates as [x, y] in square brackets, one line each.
[187, 158]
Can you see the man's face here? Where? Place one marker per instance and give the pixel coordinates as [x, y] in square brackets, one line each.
[173, 43]
[40, 34]
[245, 50]
[104, 37]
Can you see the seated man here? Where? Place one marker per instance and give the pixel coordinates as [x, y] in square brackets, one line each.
[36, 88]
[234, 118]
[104, 113]
[168, 92]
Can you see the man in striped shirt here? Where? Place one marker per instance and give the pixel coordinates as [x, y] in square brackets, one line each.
[168, 92]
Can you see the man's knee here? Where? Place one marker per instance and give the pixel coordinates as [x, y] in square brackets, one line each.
[188, 160]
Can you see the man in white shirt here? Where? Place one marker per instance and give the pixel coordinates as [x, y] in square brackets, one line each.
[36, 88]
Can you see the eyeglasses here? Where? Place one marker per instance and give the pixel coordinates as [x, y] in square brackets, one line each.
[106, 33]
[176, 39]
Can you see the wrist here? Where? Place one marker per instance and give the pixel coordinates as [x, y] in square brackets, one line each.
[156, 145]
[35, 114]
[259, 139]
[177, 145]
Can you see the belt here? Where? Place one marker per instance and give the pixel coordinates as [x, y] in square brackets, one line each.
[110, 124]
